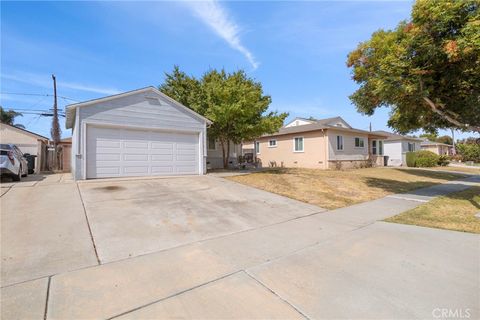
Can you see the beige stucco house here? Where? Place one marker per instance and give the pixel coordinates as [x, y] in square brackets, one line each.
[436, 147]
[26, 141]
[322, 144]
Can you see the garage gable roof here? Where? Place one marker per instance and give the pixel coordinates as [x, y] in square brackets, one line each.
[70, 110]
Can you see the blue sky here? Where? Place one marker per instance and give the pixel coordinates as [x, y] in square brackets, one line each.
[296, 49]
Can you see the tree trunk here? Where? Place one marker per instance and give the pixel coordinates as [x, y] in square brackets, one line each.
[222, 142]
[225, 164]
[449, 118]
[225, 152]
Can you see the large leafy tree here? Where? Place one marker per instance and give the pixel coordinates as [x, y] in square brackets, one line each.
[8, 117]
[427, 70]
[234, 103]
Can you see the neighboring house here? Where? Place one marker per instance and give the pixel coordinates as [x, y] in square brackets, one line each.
[326, 143]
[437, 147]
[397, 146]
[137, 133]
[215, 154]
[27, 142]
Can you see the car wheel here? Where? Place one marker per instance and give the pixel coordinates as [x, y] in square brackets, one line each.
[18, 176]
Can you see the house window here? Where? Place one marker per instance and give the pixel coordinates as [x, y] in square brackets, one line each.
[380, 147]
[298, 144]
[339, 142]
[257, 147]
[211, 144]
[359, 143]
[374, 147]
[411, 147]
[272, 143]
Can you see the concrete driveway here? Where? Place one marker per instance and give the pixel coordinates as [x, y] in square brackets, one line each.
[205, 247]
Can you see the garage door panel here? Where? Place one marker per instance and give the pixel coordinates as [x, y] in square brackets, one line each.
[108, 170]
[135, 157]
[162, 170]
[136, 170]
[108, 157]
[161, 157]
[102, 143]
[119, 152]
[143, 145]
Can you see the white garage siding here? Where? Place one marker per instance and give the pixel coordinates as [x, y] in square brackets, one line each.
[143, 125]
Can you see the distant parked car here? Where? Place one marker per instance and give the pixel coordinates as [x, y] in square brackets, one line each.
[12, 162]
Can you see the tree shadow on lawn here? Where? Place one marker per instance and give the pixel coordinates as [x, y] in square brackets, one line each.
[417, 188]
[475, 191]
[433, 174]
[396, 186]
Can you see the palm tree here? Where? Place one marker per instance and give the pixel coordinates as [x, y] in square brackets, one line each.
[8, 117]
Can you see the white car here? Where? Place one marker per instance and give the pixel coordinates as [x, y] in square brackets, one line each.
[12, 162]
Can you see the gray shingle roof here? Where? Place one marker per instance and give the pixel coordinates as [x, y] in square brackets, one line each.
[395, 136]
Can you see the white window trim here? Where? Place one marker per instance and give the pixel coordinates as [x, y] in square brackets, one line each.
[214, 144]
[257, 150]
[272, 146]
[336, 143]
[303, 144]
[360, 139]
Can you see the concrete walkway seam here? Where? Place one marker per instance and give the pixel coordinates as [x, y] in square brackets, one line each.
[277, 295]
[47, 297]
[175, 294]
[88, 224]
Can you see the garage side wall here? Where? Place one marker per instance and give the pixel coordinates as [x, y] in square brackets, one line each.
[141, 111]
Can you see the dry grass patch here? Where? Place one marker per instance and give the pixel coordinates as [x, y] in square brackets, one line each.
[455, 211]
[334, 189]
[459, 169]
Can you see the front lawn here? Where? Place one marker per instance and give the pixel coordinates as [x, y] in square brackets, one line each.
[455, 211]
[339, 188]
[459, 169]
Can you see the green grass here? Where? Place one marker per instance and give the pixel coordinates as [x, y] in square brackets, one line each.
[455, 211]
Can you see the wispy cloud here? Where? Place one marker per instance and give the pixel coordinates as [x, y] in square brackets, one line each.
[44, 81]
[214, 15]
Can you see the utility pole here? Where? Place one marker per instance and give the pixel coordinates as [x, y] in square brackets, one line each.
[55, 132]
[454, 151]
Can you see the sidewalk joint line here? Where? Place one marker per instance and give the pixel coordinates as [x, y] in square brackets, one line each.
[174, 295]
[8, 190]
[88, 224]
[276, 294]
[47, 298]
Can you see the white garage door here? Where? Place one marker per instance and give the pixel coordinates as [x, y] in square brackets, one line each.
[113, 152]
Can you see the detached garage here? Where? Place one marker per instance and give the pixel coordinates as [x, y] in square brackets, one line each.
[137, 133]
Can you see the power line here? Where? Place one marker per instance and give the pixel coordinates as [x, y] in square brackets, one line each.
[38, 95]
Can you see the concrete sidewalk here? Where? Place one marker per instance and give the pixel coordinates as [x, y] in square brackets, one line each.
[336, 264]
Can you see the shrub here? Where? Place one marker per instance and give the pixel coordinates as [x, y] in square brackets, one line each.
[443, 161]
[426, 159]
[469, 152]
[411, 157]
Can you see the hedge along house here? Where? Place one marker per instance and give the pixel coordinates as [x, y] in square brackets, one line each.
[137, 133]
[323, 144]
